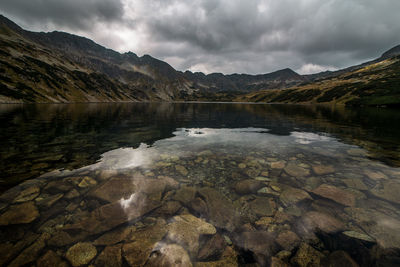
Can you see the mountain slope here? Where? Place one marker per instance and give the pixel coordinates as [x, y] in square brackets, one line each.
[34, 64]
[374, 84]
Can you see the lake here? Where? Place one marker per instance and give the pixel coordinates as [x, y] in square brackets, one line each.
[199, 184]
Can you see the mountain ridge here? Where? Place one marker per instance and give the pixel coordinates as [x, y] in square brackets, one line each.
[27, 58]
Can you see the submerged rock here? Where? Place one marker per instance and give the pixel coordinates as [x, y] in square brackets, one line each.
[185, 230]
[288, 240]
[220, 211]
[212, 248]
[262, 206]
[28, 194]
[291, 196]
[50, 258]
[19, 214]
[31, 253]
[260, 243]
[390, 191]
[339, 258]
[137, 251]
[81, 254]
[114, 236]
[228, 259]
[166, 255]
[336, 194]
[182, 170]
[110, 256]
[111, 215]
[313, 221]
[323, 169]
[307, 256]
[248, 186]
[295, 170]
[114, 189]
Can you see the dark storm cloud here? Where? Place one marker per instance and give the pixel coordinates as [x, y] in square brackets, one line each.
[252, 36]
[73, 14]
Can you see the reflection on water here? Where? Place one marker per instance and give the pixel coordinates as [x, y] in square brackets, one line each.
[201, 185]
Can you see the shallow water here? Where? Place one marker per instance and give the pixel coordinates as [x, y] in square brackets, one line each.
[199, 184]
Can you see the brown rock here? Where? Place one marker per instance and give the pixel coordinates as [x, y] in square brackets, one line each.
[28, 194]
[19, 214]
[323, 169]
[262, 206]
[336, 194]
[166, 255]
[185, 230]
[185, 194]
[81, 254]
[296, 171]
[181, 169]
[168, 209]
[339, 258]
[260, 243]
[288, 240]
[307, 256]
[390, 191]
[110, 257]
[278, 164]
[248, 186]
[313, 221]
[212, 248]
[31, 253]
[114, 236]
[114, 189]
[228, 259]
[50, 258]
[275, 262]
[143, 242]
[291, 196]
[220, 211]
[111, 215]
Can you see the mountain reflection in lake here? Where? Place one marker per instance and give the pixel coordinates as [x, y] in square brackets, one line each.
[199, 184]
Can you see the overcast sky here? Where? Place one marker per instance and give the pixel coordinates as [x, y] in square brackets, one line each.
[229, 36]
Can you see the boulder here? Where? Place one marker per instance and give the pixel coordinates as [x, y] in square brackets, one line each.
[23, 213]
[323, 169]
[81, 254]
[31, 253]
[212, 248]
[339, 258]
[262, 206]
[220, 211]
[166, 255]
[307, 256]
[114, 189]
[295, 170]
[28, 194]
[336, 194]
[291, 196]
[288, 240]
[137, 251]
[50, 258]
[110, 257]
[248, 186]
[185, 230]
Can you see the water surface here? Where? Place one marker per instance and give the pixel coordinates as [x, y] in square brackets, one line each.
[199, 184]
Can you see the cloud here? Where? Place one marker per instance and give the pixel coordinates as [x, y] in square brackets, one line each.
[253, 36]
[72, 14]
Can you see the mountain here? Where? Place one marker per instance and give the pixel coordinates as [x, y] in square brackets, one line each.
[61, 67]
[375, 83]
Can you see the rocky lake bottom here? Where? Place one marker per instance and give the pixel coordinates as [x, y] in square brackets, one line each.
[200, 185]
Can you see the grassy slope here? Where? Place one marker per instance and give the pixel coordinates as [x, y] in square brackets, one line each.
[31, 73]
[376, 84]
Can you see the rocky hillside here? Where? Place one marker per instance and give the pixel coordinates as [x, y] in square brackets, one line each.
[61, 67]
[376, 83]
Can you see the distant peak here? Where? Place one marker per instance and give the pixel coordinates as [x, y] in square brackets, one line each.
[395, 51]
